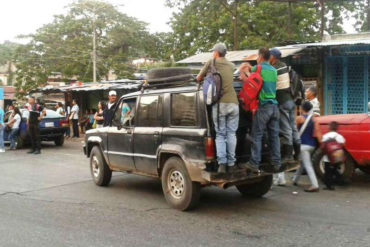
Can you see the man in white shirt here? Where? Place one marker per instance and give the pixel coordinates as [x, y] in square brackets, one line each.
[74, 116]
[311, 96]
[109, 111]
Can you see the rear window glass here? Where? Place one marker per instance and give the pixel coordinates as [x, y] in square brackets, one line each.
[184, 109]
[49, 114]
[150, 111]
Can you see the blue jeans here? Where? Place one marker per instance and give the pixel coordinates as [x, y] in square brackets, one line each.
[226, 132]
[13, 137]
[2, 137]
[267, 116]
[288, 128]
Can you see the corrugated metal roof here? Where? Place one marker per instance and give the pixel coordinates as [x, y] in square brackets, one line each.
[237, 56]
[335, 43]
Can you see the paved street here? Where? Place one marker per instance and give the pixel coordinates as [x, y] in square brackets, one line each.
[50, 200]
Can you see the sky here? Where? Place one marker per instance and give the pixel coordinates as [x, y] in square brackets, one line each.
[26, 16]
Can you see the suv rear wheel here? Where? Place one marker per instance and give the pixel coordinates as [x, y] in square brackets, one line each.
[257, 189]
[59, 141]
[346, 169]
[180, 192]
[100, 171]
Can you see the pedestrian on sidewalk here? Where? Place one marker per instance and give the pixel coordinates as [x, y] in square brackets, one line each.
[74, 117]
[13, 125]
[35, 114]
[225, 112]
[108, 112]
[2, 127]
[309, 132]
[99, 115]
[311, 96]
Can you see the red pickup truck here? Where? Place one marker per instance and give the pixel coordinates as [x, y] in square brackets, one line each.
[355, 128]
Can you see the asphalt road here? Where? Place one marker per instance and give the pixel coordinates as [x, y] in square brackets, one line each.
[50, 200]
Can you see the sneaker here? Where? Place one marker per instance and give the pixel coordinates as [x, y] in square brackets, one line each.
[222, 168]
[312, 189]
[37, 152]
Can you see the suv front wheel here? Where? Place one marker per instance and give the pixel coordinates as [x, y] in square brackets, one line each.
[180, 192]
[100, 171]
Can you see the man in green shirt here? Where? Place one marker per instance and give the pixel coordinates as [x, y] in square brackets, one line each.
[226, 116]
[267, 115]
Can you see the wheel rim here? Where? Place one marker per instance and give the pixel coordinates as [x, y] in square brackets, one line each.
[95, 167]
[176, 184]
[341, 168]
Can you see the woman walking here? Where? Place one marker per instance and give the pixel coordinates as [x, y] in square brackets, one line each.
[13, 125]
[99, 118]
[308, 131]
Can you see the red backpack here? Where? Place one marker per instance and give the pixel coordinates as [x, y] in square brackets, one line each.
[334, 151]
[248, 95]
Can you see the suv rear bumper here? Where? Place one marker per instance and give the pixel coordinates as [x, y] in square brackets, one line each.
[239, 176]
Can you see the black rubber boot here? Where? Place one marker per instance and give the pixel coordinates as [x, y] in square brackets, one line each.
[297, 151]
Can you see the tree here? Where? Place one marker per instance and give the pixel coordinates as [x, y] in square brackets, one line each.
[244, 24]
[7, 54]
[65, 45]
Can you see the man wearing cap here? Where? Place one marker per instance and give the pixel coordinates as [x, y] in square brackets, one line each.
[228, 114]
[288, 129]
[109, 111]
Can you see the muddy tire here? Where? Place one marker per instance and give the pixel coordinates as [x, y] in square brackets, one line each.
[59, 141]
[20, 142]
[365, 169]
[178, 189]
[347, 169]
[100, 172]
[257, 189]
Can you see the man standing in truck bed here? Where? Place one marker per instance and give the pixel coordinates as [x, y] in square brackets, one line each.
[228, 115]
[267, 116]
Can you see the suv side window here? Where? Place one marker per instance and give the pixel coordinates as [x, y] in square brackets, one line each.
[184, 109]
[150, 111]
[125, 113]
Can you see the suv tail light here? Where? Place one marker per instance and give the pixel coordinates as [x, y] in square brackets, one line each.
[209, 148]
[63, 123]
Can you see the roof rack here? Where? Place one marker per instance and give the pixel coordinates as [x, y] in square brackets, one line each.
[169, 82]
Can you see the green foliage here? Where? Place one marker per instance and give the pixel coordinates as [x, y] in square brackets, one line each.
[65, 45]
[199, 24]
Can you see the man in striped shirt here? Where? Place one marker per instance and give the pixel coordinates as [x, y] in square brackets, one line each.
[267, 115]
[288, 130]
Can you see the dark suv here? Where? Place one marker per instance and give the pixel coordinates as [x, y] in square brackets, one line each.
[168, 135]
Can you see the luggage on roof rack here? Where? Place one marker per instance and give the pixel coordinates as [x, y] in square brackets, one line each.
[168, 77]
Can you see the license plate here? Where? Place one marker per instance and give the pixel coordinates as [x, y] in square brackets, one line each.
[50, 124]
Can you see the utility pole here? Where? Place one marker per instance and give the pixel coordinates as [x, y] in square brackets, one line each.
[322, 28]
[94, 48]
[368, 15]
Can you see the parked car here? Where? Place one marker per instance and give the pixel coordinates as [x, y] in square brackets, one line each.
[168, 135]
[355, 128]
[52, 128]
